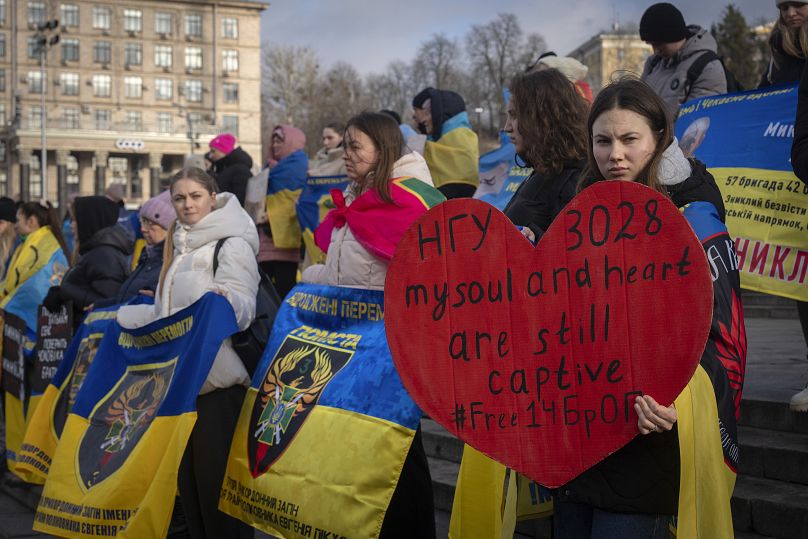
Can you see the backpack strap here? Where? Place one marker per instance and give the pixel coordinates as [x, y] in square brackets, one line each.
[696, 68]
[216, 254]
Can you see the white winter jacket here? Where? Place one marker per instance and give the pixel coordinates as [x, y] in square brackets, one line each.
[347, 262]
[190, 276]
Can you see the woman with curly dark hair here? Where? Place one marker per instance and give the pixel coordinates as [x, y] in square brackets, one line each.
[547, 125]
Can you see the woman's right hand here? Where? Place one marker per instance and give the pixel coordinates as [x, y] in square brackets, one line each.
[652, 416]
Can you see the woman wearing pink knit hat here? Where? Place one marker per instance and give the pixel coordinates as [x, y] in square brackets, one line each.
[232, 166]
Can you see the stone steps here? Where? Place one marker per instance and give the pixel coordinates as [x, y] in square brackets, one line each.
[758, 305]
[776, 455]
[770, 507]
[771, 493]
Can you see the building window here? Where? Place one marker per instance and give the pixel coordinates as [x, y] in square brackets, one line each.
[70, 15]
[2, 80]
[194, 119]
[230, 124]
[165, 122]
[36, 13]
[72, 174]
[35, 117]
[230, 27]
[102, 52]
[3, 123]
[193, 57]
[162, 56]
[102, 17]
[2, 11]
[193, 25]
[103, 119]
[134, 120]
[163, 89]
[70, 50]
[102, 85]
[3, 143]
[2, 45]
[132, 20]
[163, 23]
[35, 178]
[133, 87]
[229, 61]
[133, 54]
[193, 90]
[230, 90]
[69, 83]
[33, 47]
[35, 82]
[70, 118]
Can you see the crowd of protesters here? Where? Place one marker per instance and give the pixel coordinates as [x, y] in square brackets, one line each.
[568, 136]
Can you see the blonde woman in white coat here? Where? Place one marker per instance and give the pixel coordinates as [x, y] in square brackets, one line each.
[203, 218]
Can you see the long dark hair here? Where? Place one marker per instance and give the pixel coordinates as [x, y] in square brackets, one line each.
[551, 115]
[46, 215]
[629, 93]
[209, 184]
[386, 136]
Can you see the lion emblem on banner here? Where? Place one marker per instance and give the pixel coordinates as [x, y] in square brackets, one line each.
[121, 419]
[296, 378]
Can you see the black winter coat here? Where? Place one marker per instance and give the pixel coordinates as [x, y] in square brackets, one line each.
[643, 476]
[102, 268]
[540, 198]
[783, 68]
[145, 277]
[799, 148]
[232, 173]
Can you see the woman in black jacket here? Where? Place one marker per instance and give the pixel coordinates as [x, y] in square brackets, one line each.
[103, 249]
[546, 123]
[156, 216]
[788, 43]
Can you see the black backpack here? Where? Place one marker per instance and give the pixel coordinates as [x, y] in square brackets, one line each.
[250, 343]
[695, 69]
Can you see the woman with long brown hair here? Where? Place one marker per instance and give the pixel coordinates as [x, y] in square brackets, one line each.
[384, 175]
[546, 120]
[635, 491]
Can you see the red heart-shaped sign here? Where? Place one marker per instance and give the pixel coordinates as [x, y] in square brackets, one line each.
[535, 356]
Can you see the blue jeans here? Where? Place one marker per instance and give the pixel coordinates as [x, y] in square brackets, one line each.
[579, 520]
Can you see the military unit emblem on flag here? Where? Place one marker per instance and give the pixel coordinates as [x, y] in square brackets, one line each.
[294, 382]
[119, 421]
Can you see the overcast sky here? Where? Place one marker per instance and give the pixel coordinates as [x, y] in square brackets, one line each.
[369, 34]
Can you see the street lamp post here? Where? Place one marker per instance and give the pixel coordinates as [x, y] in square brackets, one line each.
[45, 40]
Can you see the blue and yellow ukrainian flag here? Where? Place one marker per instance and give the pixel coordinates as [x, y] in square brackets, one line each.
[115, 468]
[37, 264]
[312, 207]
[326, 424]
[48, 420]
[286, 181]
[454, 156]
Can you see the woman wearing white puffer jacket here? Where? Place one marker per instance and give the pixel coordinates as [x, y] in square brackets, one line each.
[203, 218]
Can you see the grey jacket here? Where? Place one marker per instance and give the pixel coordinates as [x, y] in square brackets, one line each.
[667, 76]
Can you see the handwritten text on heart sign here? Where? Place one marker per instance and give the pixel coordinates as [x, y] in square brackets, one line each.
[468, 233]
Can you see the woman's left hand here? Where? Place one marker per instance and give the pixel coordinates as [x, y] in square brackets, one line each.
[653, 417]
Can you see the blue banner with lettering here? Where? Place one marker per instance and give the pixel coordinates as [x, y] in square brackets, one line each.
[745, 140]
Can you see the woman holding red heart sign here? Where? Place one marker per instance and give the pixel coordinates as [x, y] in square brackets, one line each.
[635, 491]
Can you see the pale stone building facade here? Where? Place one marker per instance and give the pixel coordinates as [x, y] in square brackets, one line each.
[130, 88]
[610, 54]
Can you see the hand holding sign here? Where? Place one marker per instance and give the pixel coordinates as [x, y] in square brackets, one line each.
[535, 356]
